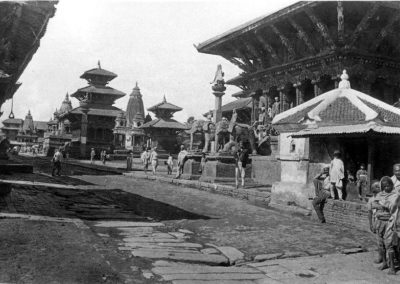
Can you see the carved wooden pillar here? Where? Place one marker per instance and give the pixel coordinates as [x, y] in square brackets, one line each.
[299, 93]
[317, 89]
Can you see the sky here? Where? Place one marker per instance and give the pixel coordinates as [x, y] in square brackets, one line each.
[149, 42]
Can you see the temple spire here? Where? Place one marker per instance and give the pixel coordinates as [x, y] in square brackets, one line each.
[164, 99]
[98, 63]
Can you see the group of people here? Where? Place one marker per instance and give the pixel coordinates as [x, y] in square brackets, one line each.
[103, 156]
[383, 206]
[150, 157]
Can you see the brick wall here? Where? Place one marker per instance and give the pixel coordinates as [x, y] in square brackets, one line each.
[345, 213]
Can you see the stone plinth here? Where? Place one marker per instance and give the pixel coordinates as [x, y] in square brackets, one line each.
[265, 169]
[292, 193]
[191, 169]
[221, 171]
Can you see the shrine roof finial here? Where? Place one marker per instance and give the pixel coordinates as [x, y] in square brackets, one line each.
[164, 99]
[98, 64]
[344, 83]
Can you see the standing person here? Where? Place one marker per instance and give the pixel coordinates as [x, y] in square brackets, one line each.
[336, 173]
[181, 161]
[170, 164]
[276, 107]
[385, 206]
[241, 160]
[57, 158]
[154, 160]
[362, 179]
[322, 186]
[145, 157]
[102, 156]
[375, 189]
[396, 178]
[129, 160]
[202, 162]
[92, 155]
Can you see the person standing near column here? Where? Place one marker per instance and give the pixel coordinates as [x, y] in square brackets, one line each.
[92, 155]
[154, 160]
[396, 177]
[181, 161]
[336, 173]
[241, 160]
[57, 162]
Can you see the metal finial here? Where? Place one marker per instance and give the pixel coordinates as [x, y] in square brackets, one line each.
[98, 63]
[344, 83]
[164, 100]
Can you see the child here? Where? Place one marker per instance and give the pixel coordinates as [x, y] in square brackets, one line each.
[362, 179]
[385, 205]
[202, 162]
[375, 189]
[170, 164]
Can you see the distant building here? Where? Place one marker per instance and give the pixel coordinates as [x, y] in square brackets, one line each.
[127, 132]
[162, 131]
[91, 124]
[24, 132]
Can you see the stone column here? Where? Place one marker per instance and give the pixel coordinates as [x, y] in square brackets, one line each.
[84, 123]
[218, 88]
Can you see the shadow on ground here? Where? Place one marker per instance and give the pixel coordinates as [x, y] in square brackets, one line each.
[90, 204]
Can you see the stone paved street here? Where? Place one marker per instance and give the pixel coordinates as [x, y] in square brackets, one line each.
[252, 230]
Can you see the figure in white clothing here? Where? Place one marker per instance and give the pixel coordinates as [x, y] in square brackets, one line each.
[336, 173]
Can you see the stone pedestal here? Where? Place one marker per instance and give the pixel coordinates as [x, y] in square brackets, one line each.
[191, 169]
[292, 193]
[221, 171]
[265, 169]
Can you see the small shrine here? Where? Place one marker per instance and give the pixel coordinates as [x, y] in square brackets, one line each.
[364, 129]
[162, 131]
[127, 132]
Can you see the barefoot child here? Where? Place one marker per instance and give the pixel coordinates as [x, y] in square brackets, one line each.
[385, 207]
[375, 189]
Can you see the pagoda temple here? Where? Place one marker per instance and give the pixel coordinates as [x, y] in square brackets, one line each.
[92, 122]
[162, 131]
[127, 132]
[297, 53]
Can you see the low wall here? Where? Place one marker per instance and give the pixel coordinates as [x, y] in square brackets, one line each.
[346, 213]
[265, 169]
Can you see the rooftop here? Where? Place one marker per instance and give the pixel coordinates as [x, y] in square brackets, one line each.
[342, 109]
[164, 105]
[164, 123]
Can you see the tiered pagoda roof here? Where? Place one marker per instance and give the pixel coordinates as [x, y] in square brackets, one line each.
[164, 112]
[97, 98]
[342, 111]
[313, 38]
[23, 24]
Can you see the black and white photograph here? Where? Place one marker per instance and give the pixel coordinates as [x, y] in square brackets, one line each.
[199, 142]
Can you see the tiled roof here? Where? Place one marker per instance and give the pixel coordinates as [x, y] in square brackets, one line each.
[109, 111]
[342, 110]
[164, 105]
[99, 72]
[99, 90]
[163, 123]
[348, 129]
[341, 106]
[237, 104]
[13, 120]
